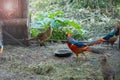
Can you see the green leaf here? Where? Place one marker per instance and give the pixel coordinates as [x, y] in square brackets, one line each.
[58, 13]
[55, 20]
[69, 30]
[34, 32]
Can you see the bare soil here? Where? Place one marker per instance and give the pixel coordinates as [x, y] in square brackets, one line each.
[39, 63]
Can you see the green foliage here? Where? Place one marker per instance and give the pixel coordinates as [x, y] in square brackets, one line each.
[48, 18]
[109, 8]
[57, 22]
[75, 5]
[102, 4]
[58, 34]
[34, 32]
[36, 5]
[42, 15]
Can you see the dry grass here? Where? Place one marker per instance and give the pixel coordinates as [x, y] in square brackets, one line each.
[39, 63]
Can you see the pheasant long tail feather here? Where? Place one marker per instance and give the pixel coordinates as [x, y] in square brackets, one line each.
[97, 51]
[92, 43]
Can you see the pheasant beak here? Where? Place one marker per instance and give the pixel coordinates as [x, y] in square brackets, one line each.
[67, 34]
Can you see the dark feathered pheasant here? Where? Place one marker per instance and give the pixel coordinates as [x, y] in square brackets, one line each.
[109, 38]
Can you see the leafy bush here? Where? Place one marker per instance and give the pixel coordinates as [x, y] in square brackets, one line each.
[59, 24]
[34, 32]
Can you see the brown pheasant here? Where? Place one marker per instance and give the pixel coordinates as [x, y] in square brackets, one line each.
[107, 70]
[43, 36]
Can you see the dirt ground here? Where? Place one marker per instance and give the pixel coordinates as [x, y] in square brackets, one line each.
[39, 63]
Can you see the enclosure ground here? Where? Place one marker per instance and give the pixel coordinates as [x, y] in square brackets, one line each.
[39, 63]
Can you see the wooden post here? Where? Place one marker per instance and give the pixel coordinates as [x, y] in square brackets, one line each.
[15, 31]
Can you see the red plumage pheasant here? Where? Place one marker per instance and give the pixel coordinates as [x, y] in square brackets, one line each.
[78, 47]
